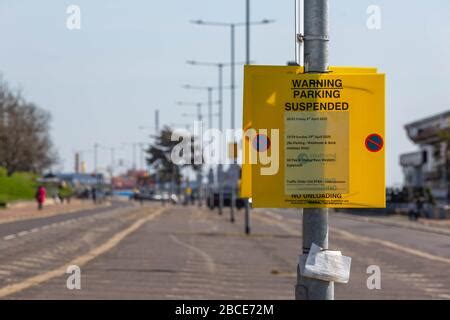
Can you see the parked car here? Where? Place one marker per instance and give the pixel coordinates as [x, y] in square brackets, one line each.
[153, 196]
[143, 196]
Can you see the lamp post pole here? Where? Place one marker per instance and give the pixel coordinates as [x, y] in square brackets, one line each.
[210, 102]
[315, 221]
[96, 146]
[232, 27]
[220, 67]
[200, 139]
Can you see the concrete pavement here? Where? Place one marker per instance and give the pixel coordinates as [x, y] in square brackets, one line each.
[28, 210]
[177, 252]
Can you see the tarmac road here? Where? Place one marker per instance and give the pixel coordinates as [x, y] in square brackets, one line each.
[175, 252]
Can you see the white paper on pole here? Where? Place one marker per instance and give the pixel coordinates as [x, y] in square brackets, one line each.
[327, 265]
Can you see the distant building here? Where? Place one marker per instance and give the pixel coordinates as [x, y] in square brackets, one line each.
[132, 179]
[429, 167]
[81, 179]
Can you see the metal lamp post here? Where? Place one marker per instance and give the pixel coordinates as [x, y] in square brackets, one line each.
[232, 27]
[199, 173]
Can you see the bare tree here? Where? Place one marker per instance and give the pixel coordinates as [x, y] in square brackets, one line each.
[25, 143]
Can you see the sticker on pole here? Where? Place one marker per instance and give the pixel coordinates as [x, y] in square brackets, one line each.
[326, 265]
[374, 143]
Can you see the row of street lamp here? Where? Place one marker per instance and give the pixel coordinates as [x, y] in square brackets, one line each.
[220, 66]
[209, 91]
[112, 150]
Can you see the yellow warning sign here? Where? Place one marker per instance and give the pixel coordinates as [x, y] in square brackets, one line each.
[313, 140]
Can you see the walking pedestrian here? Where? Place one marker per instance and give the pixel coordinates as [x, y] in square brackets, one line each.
[94, 195]
[430, 204]
[419, 208]
[411, 210]
[40, 197]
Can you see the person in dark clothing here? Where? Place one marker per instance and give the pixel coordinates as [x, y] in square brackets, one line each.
[411, 210]
[94, 194]
[419, 208]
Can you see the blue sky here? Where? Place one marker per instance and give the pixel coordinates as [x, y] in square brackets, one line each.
[104, 81]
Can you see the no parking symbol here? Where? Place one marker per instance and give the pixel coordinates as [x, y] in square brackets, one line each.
[261, 143]
[374, 143]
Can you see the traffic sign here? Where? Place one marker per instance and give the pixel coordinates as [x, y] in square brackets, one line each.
[315, 124]
[261, 143]
[374, 142]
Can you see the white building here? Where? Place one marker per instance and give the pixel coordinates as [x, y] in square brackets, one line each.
[430, 166]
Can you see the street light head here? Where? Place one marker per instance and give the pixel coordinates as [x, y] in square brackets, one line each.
[191, 62]
[197, 21]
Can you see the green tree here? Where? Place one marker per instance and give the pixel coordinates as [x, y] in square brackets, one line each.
[159, 156]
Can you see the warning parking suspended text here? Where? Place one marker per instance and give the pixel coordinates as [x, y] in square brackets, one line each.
[314, 90]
